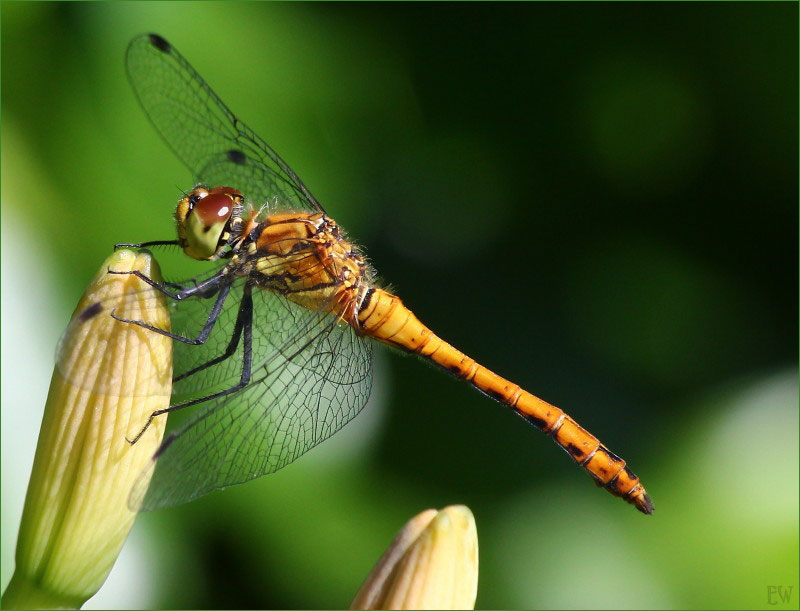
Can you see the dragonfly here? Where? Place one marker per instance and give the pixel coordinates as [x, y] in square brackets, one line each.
[274, 343]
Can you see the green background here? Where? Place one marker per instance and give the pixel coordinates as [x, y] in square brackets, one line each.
[598, 201]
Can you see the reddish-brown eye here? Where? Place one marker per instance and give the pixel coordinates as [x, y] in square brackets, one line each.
[215, 207]
[229, 190]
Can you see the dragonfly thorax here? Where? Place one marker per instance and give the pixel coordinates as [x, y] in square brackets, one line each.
[306, 258]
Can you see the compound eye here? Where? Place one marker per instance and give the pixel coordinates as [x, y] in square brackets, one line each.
[213, 208]
[195, 196]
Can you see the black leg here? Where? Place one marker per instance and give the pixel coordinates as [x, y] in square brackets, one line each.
[146, 244]
[204, 332]
[229, 351]
[246, 315]
[202, 289]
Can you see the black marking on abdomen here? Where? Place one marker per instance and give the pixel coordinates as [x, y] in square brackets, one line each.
[494, 395]
[614, 458]
[574, 451]
[537, 422]
[613, 483]
[366, 300]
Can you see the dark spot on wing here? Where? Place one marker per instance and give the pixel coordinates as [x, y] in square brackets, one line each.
[90, 312]
[237, 157]
[159, 43]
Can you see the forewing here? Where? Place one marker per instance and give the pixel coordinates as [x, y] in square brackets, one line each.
[315, 377]
[217, 147]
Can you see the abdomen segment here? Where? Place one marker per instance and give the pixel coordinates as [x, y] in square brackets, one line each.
[384, 317]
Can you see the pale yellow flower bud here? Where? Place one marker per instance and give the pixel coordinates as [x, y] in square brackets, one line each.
[431, 564]
[109, 377]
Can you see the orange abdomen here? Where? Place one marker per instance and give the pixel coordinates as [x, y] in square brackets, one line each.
[384, 317]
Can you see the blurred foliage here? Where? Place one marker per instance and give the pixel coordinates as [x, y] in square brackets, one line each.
[598, 201]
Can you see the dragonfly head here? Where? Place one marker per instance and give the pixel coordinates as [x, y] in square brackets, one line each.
[203, 217]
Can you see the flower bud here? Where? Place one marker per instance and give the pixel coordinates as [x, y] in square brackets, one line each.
[431, 564]
[109, 377]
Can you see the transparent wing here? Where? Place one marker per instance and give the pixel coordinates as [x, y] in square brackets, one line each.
[312, 377]
[215, 145]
